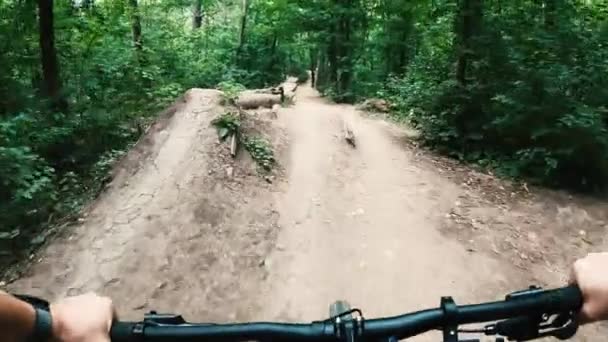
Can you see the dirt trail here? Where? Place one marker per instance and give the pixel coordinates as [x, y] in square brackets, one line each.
[383, 225]
[362, 224]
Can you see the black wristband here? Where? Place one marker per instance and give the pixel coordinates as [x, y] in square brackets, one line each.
[43, 326]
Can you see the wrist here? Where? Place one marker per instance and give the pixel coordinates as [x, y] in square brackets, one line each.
[58, 326]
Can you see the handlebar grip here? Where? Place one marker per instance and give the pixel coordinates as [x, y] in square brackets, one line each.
[122, 332]
[568, 298]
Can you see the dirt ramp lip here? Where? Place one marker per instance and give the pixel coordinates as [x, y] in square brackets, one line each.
[148, 144]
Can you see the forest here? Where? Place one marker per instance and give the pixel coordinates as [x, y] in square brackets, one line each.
[519, 87]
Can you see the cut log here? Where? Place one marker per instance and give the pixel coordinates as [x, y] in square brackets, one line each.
[248, 100]
[349, 136]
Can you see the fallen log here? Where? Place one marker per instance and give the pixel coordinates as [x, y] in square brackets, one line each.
[254, 101]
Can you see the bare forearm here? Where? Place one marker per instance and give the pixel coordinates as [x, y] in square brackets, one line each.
[16, 318]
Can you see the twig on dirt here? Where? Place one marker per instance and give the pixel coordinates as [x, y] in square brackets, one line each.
[233, 145]
[349, 135]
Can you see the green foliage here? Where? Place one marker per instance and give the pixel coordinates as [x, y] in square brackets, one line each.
[303, 77]
[226, 124]
[516, 86]
[261, 151]
[231, 91]
[50, 162]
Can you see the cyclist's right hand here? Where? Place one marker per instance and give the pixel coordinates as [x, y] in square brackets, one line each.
[591, 275]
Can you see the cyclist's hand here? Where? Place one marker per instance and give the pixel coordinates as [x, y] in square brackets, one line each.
[85, 318]
[591, 276]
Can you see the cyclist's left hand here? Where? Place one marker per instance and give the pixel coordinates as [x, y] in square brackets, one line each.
[84, 318]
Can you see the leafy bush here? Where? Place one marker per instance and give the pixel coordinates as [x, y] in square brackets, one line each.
[52, 161]
[303, 77]
[227, 124]
[261, 151]
[230, 91]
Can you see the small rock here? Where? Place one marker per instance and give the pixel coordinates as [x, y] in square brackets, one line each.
[229, 171]
[476, 224]
[262, 263]
[268, 179]
[582, 233]
[38, 240]
[81, 220]
[470, 249]
[457, 203]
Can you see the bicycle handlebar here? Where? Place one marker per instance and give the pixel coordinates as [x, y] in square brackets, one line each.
[531, 303]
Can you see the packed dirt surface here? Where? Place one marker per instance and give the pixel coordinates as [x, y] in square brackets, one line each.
[386, 225]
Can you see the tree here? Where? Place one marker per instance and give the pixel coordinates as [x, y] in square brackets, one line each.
[48, 54]
[468, 21]
[197, 14]
[243, 29]
[136, 26]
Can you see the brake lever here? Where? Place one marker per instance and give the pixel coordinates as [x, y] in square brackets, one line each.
[562, 325]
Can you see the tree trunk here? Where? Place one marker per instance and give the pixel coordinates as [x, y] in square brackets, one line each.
[242, 33]
[313, 67]
[197, 14]
[48, 54]
[323, 71]
[468, 22]
[550, 9]
[344, 50]
[345, 55]
[136, 26]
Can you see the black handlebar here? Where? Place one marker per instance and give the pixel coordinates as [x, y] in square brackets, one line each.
[524, 304]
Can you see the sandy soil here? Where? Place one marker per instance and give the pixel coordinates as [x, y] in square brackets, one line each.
[387, 225]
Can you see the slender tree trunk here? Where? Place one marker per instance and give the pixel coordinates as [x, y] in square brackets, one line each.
[312, 55]
[197, 14]
[550, 9]
[242, 33]
[324, 70]
[273, 62]
[468, 21]
[344, 58]
[48, 54]
[136, 26]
